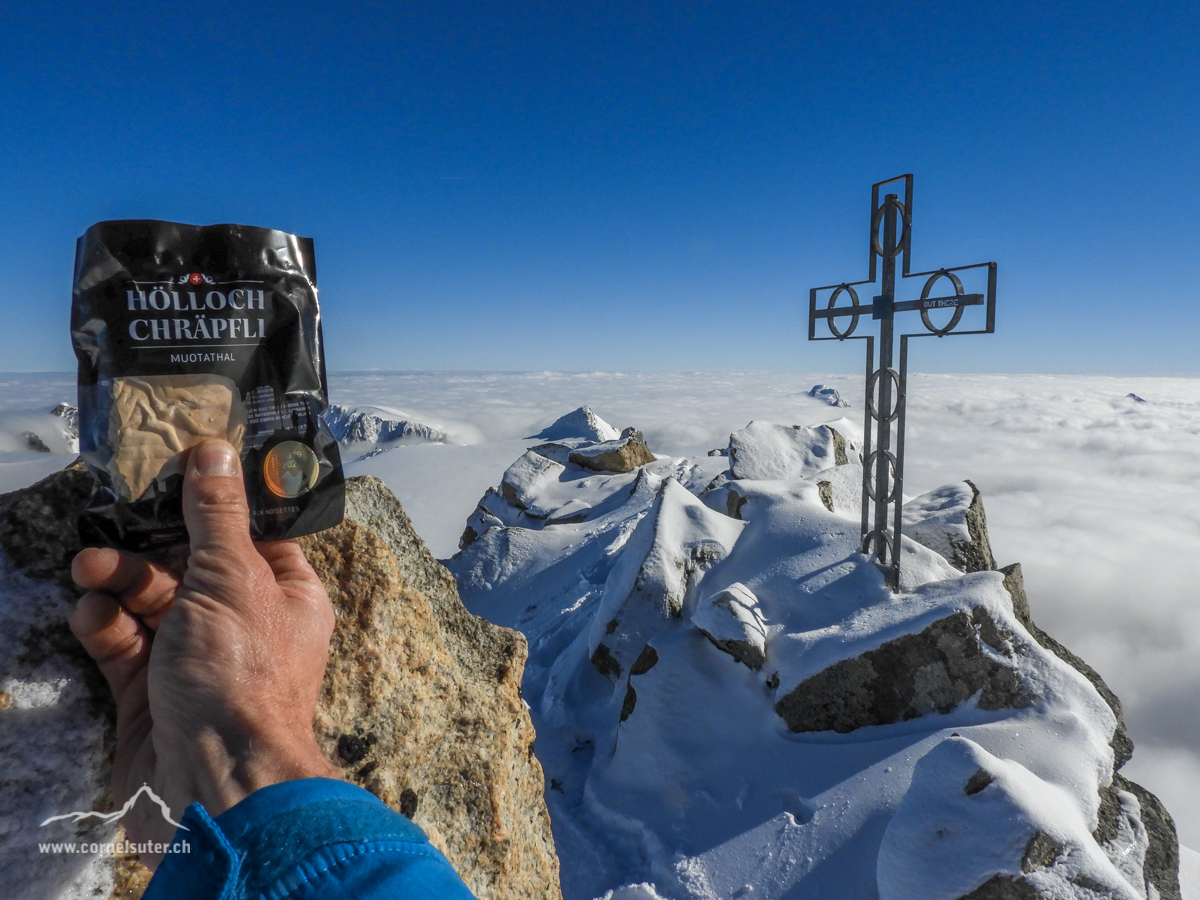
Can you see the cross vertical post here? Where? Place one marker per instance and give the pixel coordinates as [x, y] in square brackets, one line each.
[886, 386]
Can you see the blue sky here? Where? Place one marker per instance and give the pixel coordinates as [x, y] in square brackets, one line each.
[623, 185]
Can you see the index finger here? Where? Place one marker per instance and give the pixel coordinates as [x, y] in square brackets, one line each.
[143, 588]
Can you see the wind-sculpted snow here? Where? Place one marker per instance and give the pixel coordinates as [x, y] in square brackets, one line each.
[667, 636]
[676, 542]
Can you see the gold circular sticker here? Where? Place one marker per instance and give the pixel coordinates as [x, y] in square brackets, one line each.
[290, 469]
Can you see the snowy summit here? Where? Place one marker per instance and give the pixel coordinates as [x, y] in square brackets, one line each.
[579, 423]
[731, 704]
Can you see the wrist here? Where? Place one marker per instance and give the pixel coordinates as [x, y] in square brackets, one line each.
[231, 768]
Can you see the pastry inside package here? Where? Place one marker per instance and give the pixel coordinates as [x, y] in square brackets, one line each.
[185, 333]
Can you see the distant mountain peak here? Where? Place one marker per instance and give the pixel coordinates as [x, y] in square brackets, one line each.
[579, 423]
[379, 425]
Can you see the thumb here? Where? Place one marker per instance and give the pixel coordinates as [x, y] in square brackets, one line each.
[214, 505]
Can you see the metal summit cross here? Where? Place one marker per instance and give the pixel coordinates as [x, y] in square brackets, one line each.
[883, 484]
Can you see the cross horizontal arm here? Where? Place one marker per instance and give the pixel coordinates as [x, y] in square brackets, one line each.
[858, 310]
[902, 306]
[940, 302]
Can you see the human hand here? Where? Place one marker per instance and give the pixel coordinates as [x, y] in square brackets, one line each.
[216, 675]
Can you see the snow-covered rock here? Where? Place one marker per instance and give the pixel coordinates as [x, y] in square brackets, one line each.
[579, 423]
[962, 655]
[378, 425]
[731, 620]
[522, 479]
[972, 821]
[765, 452]
[674, 762]
[828, 394]
[950, 521]
[572, 480]
[560, 450]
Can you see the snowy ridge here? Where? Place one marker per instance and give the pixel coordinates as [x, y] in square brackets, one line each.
[381, 426]
[730, 703]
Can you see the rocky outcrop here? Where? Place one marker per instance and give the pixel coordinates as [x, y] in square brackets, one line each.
[34, 442]
[421, 702]
[933, 670]
[947, 662]
[622, 455]
[951, 521]
[56, 715]
[1135, 832]
[37, 525]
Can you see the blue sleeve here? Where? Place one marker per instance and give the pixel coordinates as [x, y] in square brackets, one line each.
[304, 839]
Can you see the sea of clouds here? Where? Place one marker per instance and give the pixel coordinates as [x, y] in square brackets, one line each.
[1095, 493]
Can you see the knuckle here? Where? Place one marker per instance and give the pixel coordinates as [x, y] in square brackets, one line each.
[127, 647]
[222, 504]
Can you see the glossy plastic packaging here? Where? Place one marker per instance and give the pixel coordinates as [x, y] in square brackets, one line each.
[184, 332]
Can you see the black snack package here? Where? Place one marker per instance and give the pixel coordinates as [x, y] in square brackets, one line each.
[185, 332]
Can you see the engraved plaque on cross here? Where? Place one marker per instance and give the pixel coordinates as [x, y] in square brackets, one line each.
[883, 466]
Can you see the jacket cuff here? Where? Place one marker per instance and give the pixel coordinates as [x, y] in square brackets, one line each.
[268, 835]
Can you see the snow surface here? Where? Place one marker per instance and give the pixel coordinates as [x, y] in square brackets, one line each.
[53, 751]
[1095, 493]
[1189, 873]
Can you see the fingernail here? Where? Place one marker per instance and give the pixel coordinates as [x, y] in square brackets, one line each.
[215, 458]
